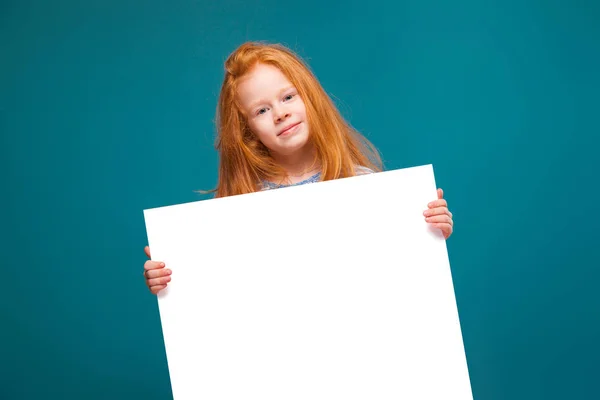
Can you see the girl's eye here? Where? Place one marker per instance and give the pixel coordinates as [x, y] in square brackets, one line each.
[261, 111]
[288, 97]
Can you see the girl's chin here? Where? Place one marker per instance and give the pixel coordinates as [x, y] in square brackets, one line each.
[292, 146]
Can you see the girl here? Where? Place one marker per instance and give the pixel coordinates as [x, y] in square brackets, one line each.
[277, 127]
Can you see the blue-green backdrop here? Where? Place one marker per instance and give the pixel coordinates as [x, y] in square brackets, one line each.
[106, 109]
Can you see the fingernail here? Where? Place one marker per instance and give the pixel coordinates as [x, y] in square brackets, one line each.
[162, 264]
[169, 271]
[426, 213]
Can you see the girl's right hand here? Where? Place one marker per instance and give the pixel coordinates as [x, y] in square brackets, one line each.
[156, 275]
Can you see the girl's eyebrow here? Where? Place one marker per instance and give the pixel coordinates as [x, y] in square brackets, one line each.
[256, 103]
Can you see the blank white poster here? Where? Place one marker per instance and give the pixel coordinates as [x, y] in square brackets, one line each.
[332, 290]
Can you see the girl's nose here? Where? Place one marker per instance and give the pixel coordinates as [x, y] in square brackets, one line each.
[282, 116]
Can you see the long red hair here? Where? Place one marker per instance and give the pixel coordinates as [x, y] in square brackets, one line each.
[245, 161]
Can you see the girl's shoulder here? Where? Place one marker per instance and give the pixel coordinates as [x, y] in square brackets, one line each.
[360, 170]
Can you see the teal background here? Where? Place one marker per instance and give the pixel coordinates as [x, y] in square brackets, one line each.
[106, 109]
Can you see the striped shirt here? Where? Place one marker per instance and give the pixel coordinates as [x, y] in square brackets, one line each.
[266, 185]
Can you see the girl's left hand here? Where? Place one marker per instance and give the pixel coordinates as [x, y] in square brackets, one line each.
[439, 216]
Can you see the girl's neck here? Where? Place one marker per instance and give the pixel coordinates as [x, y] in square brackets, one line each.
[299, 166]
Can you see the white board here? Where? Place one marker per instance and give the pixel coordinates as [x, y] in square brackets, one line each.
[332, 290]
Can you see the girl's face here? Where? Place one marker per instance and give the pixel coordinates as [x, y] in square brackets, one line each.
[274, 110]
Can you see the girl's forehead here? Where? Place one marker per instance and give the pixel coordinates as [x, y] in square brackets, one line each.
[265, 76]
[262, 81]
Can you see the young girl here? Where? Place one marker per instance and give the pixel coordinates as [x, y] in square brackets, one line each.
[277, 127]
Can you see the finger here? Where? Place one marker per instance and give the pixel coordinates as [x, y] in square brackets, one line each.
[440, 219]
[149, 265]
[147, 251]
[437, 211]
[446, 229]
[156, 289]
[440, 193]
[158, 281]
[156, 273]
[438, 203]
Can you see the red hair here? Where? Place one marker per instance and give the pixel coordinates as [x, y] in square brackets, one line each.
[245, 161]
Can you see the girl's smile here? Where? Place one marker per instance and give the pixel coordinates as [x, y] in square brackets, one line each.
[291, 129]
